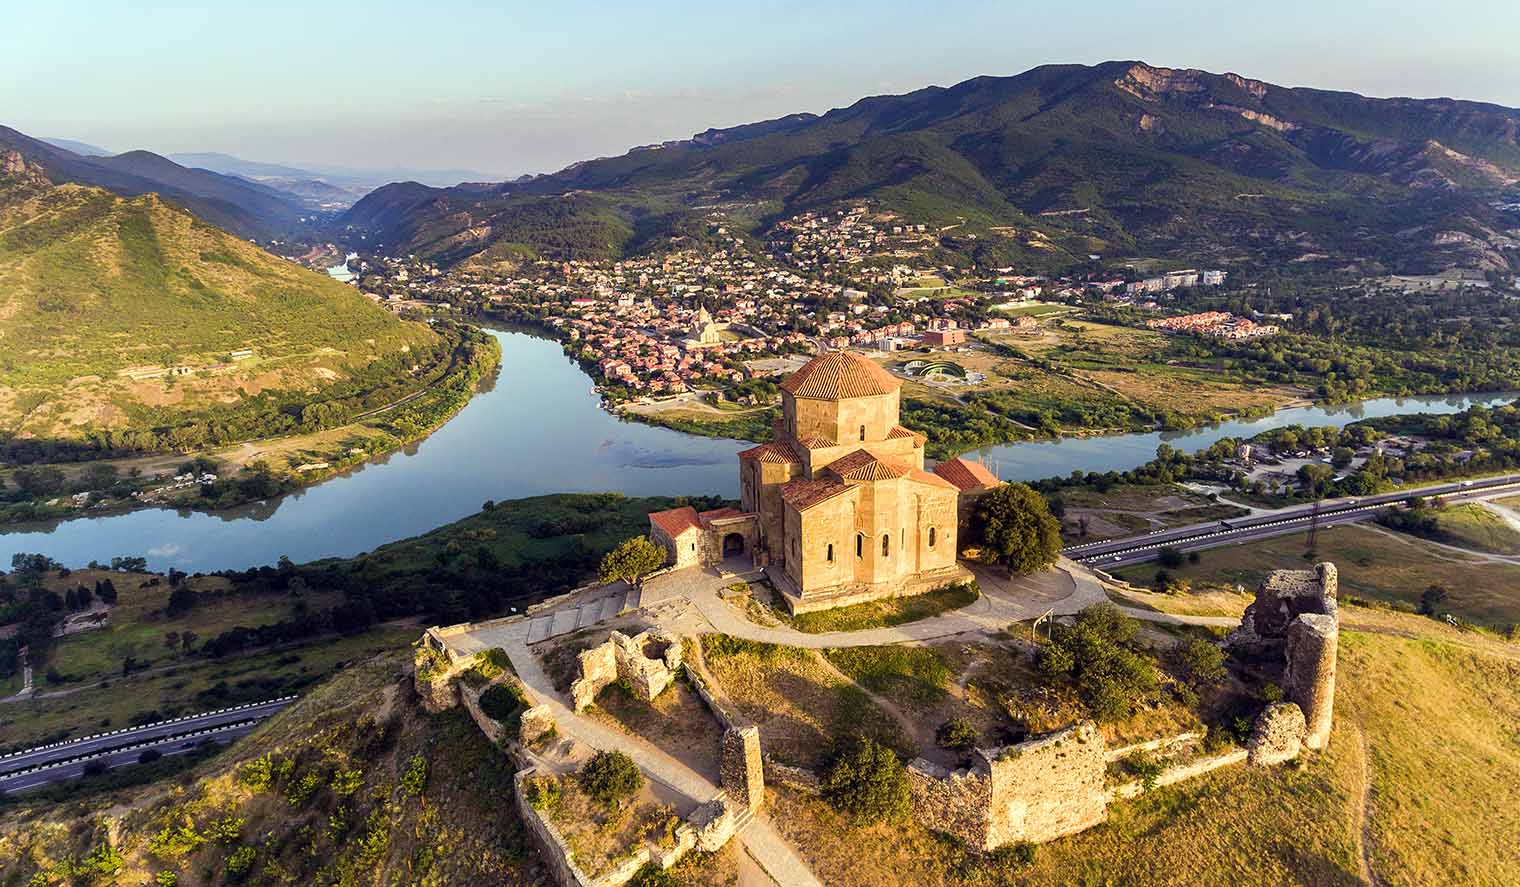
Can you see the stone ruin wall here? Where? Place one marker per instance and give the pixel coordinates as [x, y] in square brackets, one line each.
[1295, 620]
[741, 771]
[1034, 791]
[1309, 674]
[646, 661]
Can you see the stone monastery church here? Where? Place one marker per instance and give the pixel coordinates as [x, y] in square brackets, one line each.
[838, 507]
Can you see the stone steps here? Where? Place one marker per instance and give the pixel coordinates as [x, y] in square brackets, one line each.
[564, 621]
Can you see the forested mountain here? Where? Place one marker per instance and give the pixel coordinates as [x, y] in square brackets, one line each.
[1120, 158]
[126, 314]
[247, 209]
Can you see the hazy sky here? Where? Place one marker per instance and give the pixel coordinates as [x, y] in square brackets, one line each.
[508, 87]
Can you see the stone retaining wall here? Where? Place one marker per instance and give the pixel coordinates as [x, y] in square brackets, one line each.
[1181, 773]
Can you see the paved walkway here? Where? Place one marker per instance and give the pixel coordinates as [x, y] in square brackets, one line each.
[762, 841]
[1066, 589]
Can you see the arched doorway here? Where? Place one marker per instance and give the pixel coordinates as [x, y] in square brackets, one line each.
[733, 545]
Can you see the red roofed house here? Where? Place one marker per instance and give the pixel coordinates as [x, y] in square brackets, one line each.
[972, 479]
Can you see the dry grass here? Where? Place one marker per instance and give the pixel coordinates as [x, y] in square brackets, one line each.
[1444, 757]
[677, 722]
[1473, 526]
[599, 837]
[800, 705]
[1374, 564]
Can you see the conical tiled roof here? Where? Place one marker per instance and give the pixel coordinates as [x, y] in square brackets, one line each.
[836, 375]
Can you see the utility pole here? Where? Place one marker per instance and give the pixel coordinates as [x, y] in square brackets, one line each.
[1310, 553]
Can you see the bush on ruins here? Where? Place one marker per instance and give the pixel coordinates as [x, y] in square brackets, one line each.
[1095, 654]
[610, 776]
[868, 782]
[1014, 527]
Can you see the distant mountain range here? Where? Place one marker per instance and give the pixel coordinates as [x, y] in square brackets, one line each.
[246, 208]
[1038, 170]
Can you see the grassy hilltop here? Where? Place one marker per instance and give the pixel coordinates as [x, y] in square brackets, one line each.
[94, 286]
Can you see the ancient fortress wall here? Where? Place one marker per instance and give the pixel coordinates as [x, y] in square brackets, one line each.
[647, 662]
[1033, 791]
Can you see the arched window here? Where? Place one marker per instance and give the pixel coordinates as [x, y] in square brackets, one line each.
[931, 537]
[862, 432]
[830, 555]
[886, 541]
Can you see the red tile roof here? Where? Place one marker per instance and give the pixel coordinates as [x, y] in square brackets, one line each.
[966, 475]
[836, 375]
[862, 465]
[816, 442]
[930, 479]
[899, 432]
[804, 494]
[707, 517]
[675, 521]
[773, 452]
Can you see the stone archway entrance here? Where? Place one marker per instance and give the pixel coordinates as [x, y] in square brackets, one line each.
[733, 545]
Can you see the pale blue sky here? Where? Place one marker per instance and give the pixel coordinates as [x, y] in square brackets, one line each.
[527, 87]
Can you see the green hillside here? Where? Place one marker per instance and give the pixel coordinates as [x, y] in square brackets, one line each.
[1121, 158]
[128, 314]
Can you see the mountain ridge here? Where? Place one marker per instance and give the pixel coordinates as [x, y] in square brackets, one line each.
[1178, 163]
[247, 209]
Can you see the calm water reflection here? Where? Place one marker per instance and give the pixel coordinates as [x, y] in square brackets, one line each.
[539, 429]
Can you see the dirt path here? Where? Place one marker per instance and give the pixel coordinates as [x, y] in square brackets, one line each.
[918, 731]
[1361, 820]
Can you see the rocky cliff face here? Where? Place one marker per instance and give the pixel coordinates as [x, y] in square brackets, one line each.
[14, 167]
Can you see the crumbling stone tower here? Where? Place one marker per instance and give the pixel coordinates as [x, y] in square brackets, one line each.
[1295, 620]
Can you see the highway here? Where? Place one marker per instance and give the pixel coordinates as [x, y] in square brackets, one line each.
[58, 761]
[1139, 549]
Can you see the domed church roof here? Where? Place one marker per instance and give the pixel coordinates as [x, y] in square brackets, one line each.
[837, 375]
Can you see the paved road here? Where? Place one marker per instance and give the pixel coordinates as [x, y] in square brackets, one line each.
[63, 771]
[1138, 549]
[163, 735]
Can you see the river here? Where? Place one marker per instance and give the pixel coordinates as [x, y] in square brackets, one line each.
[540, 429]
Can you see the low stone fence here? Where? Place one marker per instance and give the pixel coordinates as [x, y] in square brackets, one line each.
[1115, 754]
[798, 779]
[1180, 773]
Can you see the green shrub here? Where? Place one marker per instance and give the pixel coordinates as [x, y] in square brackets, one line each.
[175, 840]
[868, 782]
[1110, 677]
[504, 703]
[542, 792]
[346, 782]
[651, 875]
[166, 879]
[240, 862]
[414, 778]
[1144, 768]
[610, 776]
[1199, 663]
[256, 775]
[226, 830]
[488, 666]
[956, 734]
[302, 789]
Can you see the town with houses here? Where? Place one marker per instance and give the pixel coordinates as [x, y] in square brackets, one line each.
[659, 325]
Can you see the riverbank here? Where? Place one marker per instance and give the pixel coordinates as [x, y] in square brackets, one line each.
[544, 430]
[256, 470]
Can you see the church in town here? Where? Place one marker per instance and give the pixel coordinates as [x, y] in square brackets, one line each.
[838, 507]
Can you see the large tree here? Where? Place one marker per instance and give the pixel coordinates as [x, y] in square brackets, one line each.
[1013, 526]
[632, 560]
